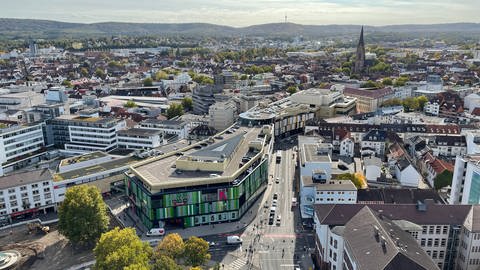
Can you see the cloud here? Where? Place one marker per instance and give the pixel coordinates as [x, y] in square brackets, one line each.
[247, 12]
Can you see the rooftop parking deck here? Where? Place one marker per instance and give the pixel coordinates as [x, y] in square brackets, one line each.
[161, 172]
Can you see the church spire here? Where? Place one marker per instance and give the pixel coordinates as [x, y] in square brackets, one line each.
[360, 55]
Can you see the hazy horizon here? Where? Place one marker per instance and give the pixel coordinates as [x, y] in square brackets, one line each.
[247, 12]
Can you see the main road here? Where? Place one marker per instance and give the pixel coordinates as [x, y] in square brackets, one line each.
[271, 246]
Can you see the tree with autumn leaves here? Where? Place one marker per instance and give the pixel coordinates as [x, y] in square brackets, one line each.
[123, 249]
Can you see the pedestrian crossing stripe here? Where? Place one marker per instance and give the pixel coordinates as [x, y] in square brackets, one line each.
[237, 264]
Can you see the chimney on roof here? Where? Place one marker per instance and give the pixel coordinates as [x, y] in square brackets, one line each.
[422, 207]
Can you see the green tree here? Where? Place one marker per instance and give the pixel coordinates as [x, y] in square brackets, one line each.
[163, 262]
[160, 75]
[244, 77]
[82, 215]
[175, 109]
[171, 246]
[130, 104]
[410, 104]
[370, 84]
[401, 81]
[84, 72]
[443, 179]
[122, 249]
[187, 103]
[100, 73]
[292, 89]
[392, 102]
[196, 251]
[421, 101]
[387, 81]
[148, 82]
[67, 83]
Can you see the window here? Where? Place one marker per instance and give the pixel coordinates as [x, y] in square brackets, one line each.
[441, 254]
[422, 242]
[429, 242]
[34, 185]
[12, 190]
[424, 229]
[334, 256]
[45, 183]
[22, 188]
[13, 203]
[24, 194]
[438, 229]
[46, 189]
[47, 195]
[35, 192]
[445, 229]
[434, 254]
[36, 198]
[13, 197]
[443, 242]
[430, 229]
[435, 243]
[335, 244]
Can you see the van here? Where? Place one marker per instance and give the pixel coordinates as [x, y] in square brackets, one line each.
[156, 232]
[273, 209]
[234, 239]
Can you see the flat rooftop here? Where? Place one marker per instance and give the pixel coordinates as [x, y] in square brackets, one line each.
[101, 167]
[160, 172]
[331, 185]
[82, 158]
[25, 178]
[310, 154]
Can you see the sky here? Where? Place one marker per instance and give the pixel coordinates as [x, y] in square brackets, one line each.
[246, 12]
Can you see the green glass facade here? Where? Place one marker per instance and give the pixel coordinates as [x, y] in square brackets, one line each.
[200, 205]
[474, 196]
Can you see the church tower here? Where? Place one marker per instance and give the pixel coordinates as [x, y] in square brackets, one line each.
[360, 60]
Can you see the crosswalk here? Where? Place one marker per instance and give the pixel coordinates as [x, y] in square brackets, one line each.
[238, 264]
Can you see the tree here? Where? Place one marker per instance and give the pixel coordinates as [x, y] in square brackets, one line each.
[174, 110]
[160, 75]
[421, 101]
[244, 77]
[84, 72]
[67, 83]
[172, 246]
[187, 103]
[122, 249]
[83, 215]
[443, 179]
[392, 102]
[148, 82]
[130, 104]
[387, 81]
[370, 84]
[196, 251]
[410, 104]
[292, 90]
[100, 73]
[163, 262]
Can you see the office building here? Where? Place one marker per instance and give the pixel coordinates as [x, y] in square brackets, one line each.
[466, 180]
[222, 115]
[139, 138]
[20, 145]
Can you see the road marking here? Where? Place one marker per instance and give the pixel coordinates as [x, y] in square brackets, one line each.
[281, 235]
[289, 265]
[237, 264]
[263, 252]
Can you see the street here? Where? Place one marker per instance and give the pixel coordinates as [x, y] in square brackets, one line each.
[281, 245]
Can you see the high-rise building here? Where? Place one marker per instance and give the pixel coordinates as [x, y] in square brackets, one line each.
[360, 60]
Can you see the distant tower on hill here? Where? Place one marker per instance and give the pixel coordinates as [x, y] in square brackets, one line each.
[360, 60]
[285, 17]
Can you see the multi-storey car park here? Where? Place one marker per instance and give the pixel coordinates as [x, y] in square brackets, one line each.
[212, 181]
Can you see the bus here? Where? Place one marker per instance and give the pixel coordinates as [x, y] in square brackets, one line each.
[279, 157]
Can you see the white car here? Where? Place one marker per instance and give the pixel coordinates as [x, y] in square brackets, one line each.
[274, 203]
[212, 244]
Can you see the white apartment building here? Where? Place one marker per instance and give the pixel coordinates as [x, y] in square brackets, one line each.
[19, 144]
[25, 194]
[139, 138]
[431, 108]
[469, 248]
[466, 180]
[222, 115]
[167, 127]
